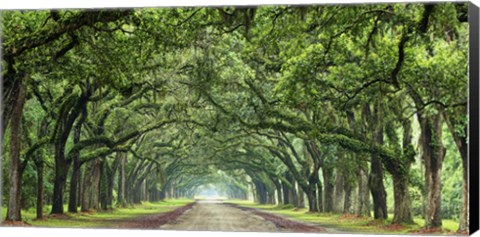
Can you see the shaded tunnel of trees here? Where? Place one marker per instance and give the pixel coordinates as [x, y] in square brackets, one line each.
[342, 109]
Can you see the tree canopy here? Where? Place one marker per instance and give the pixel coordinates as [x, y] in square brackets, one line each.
[353, 107]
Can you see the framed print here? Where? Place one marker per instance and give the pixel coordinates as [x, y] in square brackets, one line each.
[280, 118]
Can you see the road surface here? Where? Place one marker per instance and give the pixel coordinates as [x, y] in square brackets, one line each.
[216, 216]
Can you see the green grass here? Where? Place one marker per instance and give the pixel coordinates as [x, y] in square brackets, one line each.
[106, 219]
[343, 223]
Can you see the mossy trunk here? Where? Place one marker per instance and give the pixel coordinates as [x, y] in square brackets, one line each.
[401, 200]
[377, 189]
[95, 188]
[74, 179]
[363, 197]
[433, 156]
[87, 183]
[328, 181]
[375, 179]
[339, 195]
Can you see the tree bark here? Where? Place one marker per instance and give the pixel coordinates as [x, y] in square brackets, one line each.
[312, 200]
[375, 180]
[67, 117]
[15, 190]
[111, 179]
[40, 189]
[301, 197]
[292, 192]
[61, 170]
[72, 202]
[402, 200]
[74, 183]
[348, 191]
[400, 173]
[433, 155]
[363, 208]
[79, 188]
[339, 195]
[278, 188]
[377, 189]
[285, 192]
[329, 189]
[103, 186]
[95, 189]
[320, 196]
[87, 183]
[121, 181]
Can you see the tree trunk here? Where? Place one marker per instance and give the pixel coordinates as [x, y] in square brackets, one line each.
[400, 172]
[312, 199]
[348, 191]
[339, 195]
[402, 200]
[65, 123]
[329, 189]
[121, 181]
[320, 196]
[79, 188]
[285, 192]
[271, 197]
[111, 179]
[292, 195]
[87, 183]
[278, 188]
[261, 192]
[363, 208]
[40, 166]
[61, 170]
[72, 201]
[95, 189]
[74, 183]
[14, 201]
[40, 189]
[377, 189]
[103, 186]
[433, 155]
[375, 180]
[301, 197]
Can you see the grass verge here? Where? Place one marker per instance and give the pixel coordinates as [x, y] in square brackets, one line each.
[346, 223]
[101, 219]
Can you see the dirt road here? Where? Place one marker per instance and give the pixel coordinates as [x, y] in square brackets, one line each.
[216, 216]
[219, 216]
